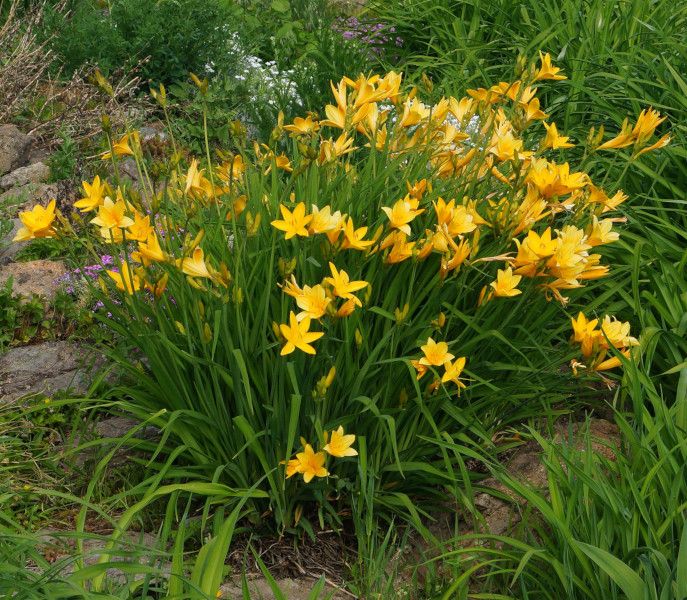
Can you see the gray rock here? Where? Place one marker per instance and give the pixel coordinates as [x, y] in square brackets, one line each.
[35, 173]
[133, 547]
[14, 148]
[8, 248]
[501, 507]
[149, 134]
[293, 589]
[34, 277]
[25, 196]
[42, 368]
[128, 168]
[117, 427]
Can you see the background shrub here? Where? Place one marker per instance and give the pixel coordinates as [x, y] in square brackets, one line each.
[178, 37]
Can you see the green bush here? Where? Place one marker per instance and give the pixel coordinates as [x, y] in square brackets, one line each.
[178, 37]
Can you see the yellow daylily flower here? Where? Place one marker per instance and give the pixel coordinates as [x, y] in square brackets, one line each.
[543, 245]
[533, 110]
[126, 280]
[602, 232]
[584, 333]
[293, 223]
[313, 302]
[297, 335]
[150, 250]
[453, 371]
[347, 308]
[402, 213]
[36, 223]
[401, 248]
[140, 229]
[353, 238]
[457, 219]
[339, 444]
[324, 221]
[617, 332]
[311, 464]
[195, 266]
[231, 170]
[122, 147]
[342, 286]
[551, 179]
[547, 70]
[303, 126]
[622, 140]
[506, 283]
[94, 195]
[597, 195]
[292, 467]
[435, 353]
[595, 343]
[505, 146]
[111, 215]
[661, 143]
[554, 140]
[331, 150]
[197, 185]
[414, 111]
[646, 124]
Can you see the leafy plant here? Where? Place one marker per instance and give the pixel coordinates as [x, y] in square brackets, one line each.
[209, 326]
[62, 161]
[169, 38]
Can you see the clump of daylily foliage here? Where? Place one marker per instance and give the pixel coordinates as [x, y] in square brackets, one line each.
[362, 278]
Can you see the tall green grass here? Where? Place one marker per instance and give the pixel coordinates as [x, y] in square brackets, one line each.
[619, 55]
[605, 527]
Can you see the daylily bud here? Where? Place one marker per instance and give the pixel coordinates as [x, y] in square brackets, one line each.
[237, 129]
[201, 85]
[103, 83]
[197, 240]
[427, 82]
[330, 377]
[401, 314]
[358, 338]
[161, 285]
[286, 267]
[252, 224]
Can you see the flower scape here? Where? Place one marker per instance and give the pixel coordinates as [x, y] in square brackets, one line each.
[369, 267]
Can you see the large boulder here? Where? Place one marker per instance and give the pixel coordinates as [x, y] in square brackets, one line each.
[14, 148]
[35, 173]
[24, 197]
[42, 368]
[34, 277]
